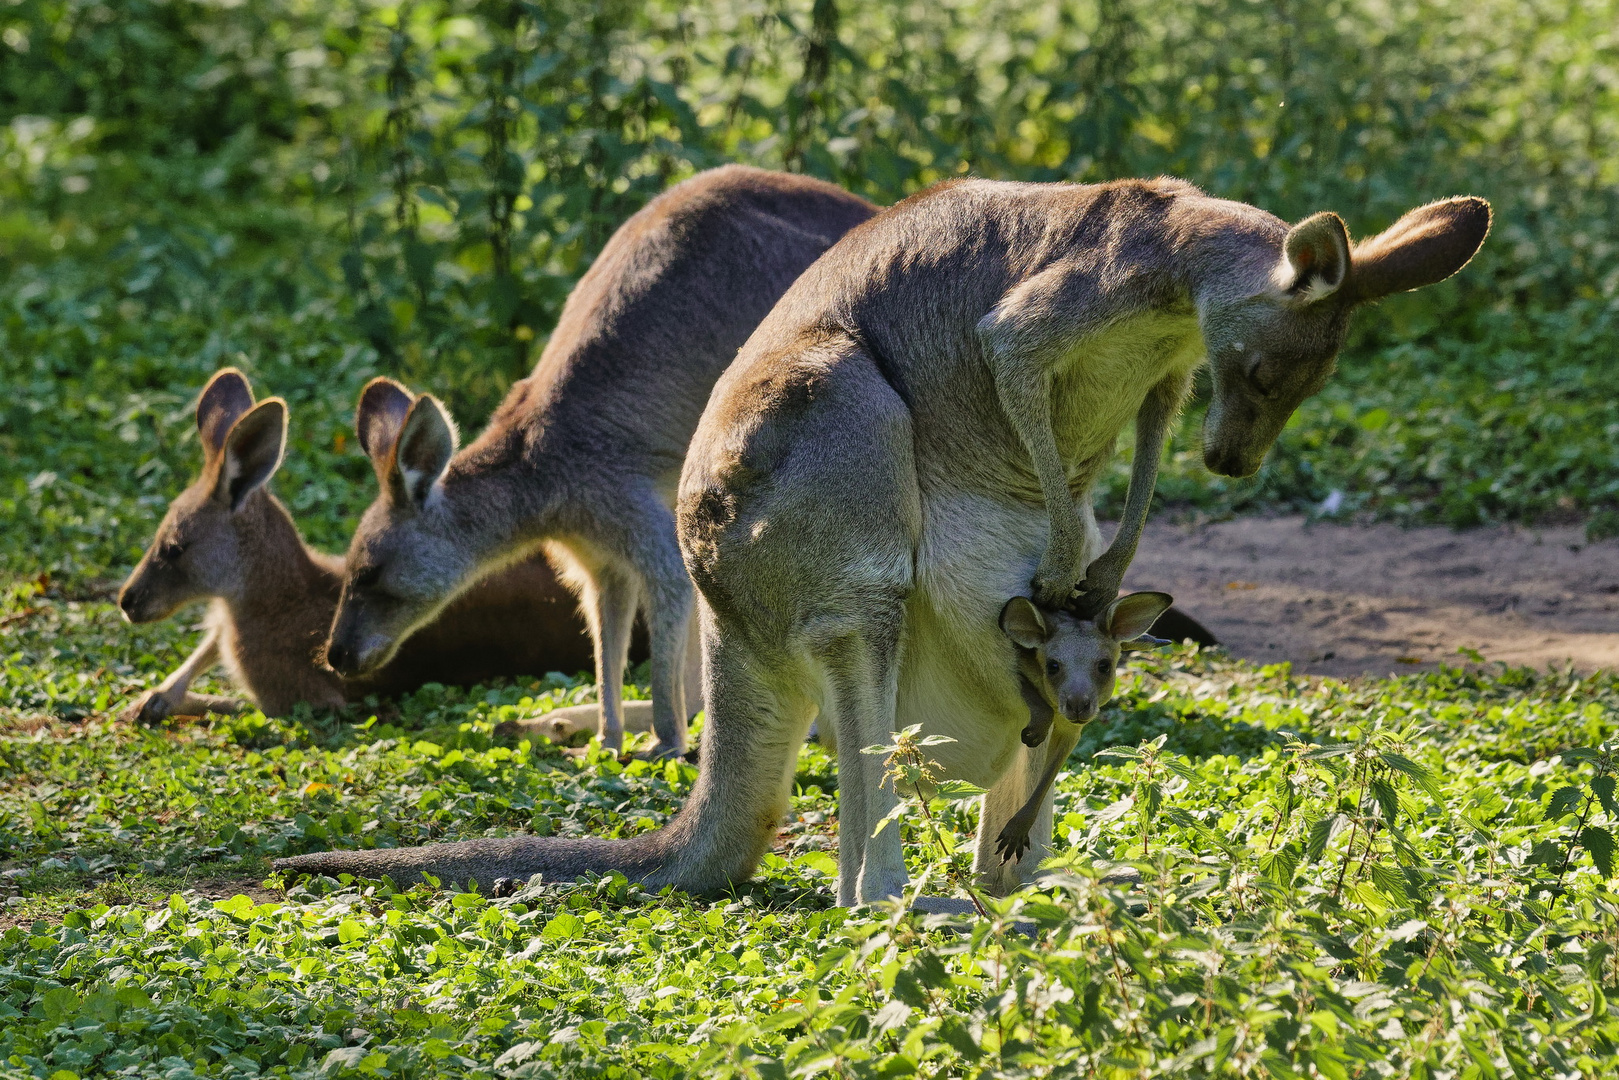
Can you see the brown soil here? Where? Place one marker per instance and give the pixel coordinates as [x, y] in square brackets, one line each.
[1381, 599]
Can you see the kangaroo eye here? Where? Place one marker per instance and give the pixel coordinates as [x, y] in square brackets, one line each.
[171, 551]
[368, 577]
[1053, 668]
[1256, 375]
[1103, 669]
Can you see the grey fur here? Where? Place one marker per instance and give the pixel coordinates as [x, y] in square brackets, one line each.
[907, 440]
[584, 455]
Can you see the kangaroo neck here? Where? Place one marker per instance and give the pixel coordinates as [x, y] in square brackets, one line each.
[284, 580]
[499, 507]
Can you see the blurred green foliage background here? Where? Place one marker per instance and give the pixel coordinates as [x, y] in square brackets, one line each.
[320, 192]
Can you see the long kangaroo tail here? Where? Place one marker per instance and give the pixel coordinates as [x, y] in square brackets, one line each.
[482, 862]
[750, 741]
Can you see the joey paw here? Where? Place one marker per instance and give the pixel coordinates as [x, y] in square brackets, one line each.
[1013, 842]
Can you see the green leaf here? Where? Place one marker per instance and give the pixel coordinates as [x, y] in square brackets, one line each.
[1321, 833]
[820, 862]
[1330, 750]
[1401, 763]
[1388, 800]
[1603, 786]
[1599, 842]
[1564, 801]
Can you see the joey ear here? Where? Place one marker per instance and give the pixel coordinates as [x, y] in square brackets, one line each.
[252, 452]
[378, 418]
[1426, 245]
[1024, 623]
[1315, 258]
[427, 442]
[1131, 616]
[225, 399]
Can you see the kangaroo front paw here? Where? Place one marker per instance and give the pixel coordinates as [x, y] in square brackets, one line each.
[1052, 590]
[659, 752]
[149, 709]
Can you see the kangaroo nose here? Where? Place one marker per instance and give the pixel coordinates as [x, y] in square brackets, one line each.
[339, 657]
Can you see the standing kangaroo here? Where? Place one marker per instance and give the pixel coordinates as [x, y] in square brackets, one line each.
[907, 441]
[227, 539]
[584, 456]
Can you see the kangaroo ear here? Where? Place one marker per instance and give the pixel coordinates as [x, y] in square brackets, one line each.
[378, 418]
[427, 442]
[1426, 245]
[252, 452]
[223, 402]
[1315, 258]
[1024, 624]
[1131, 616]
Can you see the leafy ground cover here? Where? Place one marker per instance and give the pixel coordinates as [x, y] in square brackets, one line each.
[1390, 878]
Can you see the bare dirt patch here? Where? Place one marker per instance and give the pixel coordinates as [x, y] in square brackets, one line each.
[1380, 599]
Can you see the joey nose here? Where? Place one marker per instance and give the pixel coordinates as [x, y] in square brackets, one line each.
[1079, 708]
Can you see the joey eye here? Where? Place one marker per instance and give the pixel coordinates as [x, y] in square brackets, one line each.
[1103, 669]
[368, 577]
[171, 551]
[1053, 668]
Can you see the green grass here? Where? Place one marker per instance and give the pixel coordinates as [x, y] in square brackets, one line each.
[305, 191]
[1426, 892]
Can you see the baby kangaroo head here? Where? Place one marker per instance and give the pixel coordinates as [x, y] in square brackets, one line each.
[404, 562]
[1275, 343]
[1079, 657]
[200, 547]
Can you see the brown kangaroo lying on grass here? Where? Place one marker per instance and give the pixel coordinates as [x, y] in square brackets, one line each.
[907, 440]
[227, 539]
[584, 455]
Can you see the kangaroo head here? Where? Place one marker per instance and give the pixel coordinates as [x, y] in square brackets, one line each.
[406, 560]
[1079, 657]
[1274, 343]
[198, 551]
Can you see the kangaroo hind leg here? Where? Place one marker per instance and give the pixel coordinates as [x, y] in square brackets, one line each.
[790, 564]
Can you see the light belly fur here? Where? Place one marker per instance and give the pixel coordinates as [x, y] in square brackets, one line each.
[957, 673]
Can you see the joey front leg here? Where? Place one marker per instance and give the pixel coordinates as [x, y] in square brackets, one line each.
[171, 697]
[1105, 574]
[1014, 839]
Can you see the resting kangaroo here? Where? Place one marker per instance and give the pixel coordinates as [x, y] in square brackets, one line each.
[227, 539]
[584, 455]
[908, 440]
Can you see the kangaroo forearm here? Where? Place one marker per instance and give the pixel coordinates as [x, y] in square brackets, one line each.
[203, 657]
[1025, 394]
[1152, 432]
[1153, 420]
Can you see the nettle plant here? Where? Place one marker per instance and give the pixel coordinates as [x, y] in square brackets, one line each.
[1330, 908]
